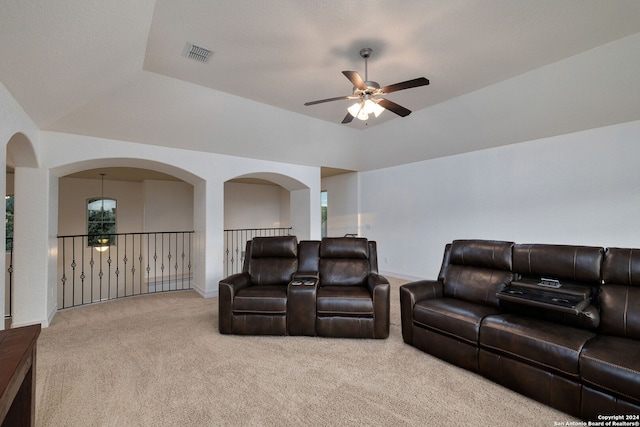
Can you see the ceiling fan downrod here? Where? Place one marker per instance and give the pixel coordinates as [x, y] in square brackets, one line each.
[365, 53]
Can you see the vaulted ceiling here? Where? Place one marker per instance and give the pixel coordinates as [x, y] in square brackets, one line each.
[116, 69]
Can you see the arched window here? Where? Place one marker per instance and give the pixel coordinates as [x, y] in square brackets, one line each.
[101, 221]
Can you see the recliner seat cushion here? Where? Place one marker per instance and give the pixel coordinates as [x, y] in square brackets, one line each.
[344, 301]
[534, 341]
[261, 300]
[455, 318]
[612, 364]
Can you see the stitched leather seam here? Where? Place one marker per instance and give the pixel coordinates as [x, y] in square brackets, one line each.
[624, 368]
[615, 392]
[557, 345]
[445, 333]
[266, 313]
[354, 314]
[534, 362]
[625, 312]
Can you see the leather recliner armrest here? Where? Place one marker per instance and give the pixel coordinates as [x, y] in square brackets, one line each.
[411, 293]
[227, 289]
[380, 292]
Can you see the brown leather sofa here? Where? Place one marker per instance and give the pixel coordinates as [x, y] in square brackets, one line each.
[496, 309]
[325, 288]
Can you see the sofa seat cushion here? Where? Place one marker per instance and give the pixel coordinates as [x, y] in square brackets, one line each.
[261, 299]
[534, 341]
[611, 363]
[453, 317]
[344, 301]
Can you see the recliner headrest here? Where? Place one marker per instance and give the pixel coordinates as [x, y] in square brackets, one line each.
[344, 247]
[621, 266]
[565, 262]
[482, 253]
[278, 246]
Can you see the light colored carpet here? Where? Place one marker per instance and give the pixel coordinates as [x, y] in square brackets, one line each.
[159, 360]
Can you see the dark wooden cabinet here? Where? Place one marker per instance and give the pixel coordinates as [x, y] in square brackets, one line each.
[18, 376]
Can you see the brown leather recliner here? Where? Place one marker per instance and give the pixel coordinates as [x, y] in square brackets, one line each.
[328, 288]
[609, 363]
[352, 298]
[254, 302]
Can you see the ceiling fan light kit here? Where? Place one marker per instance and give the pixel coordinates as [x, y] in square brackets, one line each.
[361, 110]
[369, 93]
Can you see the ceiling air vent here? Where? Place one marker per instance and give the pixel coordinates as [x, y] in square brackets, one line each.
[196, 53]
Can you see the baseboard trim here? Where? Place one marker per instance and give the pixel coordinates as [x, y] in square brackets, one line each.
[401, 276]
[203, 293]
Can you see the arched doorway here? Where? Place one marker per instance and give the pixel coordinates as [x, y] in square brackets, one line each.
[261, 204]
[147, 246]
[20, 162]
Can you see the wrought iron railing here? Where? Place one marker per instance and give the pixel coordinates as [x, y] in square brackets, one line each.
[133, 264]
[8, 278]
[235, 241]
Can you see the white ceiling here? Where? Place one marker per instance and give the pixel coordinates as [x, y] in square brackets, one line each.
[115, 68]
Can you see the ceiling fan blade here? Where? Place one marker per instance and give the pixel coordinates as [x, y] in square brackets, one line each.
[338, 98]
[355, 78]
[347, 119]
[394, 108]
[420, 81]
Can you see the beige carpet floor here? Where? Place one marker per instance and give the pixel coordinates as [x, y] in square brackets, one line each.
[159, 360]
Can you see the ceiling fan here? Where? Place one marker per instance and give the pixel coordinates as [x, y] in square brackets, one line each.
[369, 93]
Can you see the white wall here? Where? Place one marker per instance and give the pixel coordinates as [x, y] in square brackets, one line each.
[342, 204]
[255, 206]
[580, 188]
[34, 247]
[168, 206]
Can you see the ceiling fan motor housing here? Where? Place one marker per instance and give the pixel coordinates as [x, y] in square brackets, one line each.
[373, 88]
[365, 52]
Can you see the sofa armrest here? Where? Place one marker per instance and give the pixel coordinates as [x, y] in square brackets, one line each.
[381, 293]
[227, 289]
[411, 293]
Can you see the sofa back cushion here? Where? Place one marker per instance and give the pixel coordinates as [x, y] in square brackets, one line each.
[619, 296]
[580, 264]
[477, 270]
[273, 260]
[308, 258]
[344, 261]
